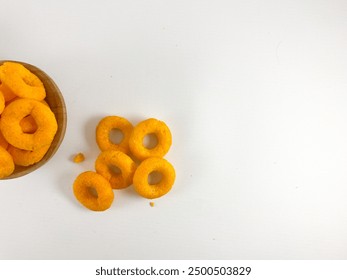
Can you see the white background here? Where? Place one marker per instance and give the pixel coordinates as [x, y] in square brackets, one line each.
[255, 94]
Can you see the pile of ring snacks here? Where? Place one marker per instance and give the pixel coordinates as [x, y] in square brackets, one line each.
[125, 163]
[27, 124]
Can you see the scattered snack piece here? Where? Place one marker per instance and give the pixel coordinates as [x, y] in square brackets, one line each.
[78, 158]
[93, 191]
[146, 127]
[159, 189]
[6, 163]
[43, 116]
[103, 131]
[108, 160]
[21, 81]
[151, 204]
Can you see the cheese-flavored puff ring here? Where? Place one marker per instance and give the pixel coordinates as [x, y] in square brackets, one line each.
[21, 81]
[6, 163]
[104, 128]
[12, 130]
[147, 127]
[26, 158]
[143, 171]
[108, 161]
[93, 191]
[28, 123]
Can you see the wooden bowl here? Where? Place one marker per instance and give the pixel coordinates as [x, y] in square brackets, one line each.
[55, 100]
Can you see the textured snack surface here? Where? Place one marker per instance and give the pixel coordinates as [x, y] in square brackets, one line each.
[147, 190]
[104, 128]
[11, 124]
[93, 191]
[146, 127]
[21, 81]
[25, 157]
[108, 160]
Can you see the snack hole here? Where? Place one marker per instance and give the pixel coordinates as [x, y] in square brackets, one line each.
[28, 126]
[154, 177]
[150, 141]
[93, 192]
[115, 169]
[116, 136]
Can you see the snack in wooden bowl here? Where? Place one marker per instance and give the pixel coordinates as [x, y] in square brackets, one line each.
[21, 81]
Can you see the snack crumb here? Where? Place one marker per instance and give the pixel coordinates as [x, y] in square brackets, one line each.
[151, 204]
[78, 158]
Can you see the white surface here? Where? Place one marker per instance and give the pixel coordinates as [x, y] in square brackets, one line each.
[255, 93]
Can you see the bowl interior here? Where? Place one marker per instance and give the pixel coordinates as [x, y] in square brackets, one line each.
[55, 100]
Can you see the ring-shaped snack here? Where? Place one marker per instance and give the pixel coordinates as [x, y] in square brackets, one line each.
[93, 191]
[43, 116]
[147, 127]
[108, 161]
[6, 163]
[21, 81]
[28, 123]
[104, 128]
[27, 158]
[151, 191]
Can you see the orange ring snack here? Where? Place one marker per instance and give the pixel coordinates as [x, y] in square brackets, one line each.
[25, 157]
[140, 180]
[6, 163]
[146, 127]
[93, 191]
[103, 131]
[21, 81]
[12, 130]
[28, 123]
[107, 160]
